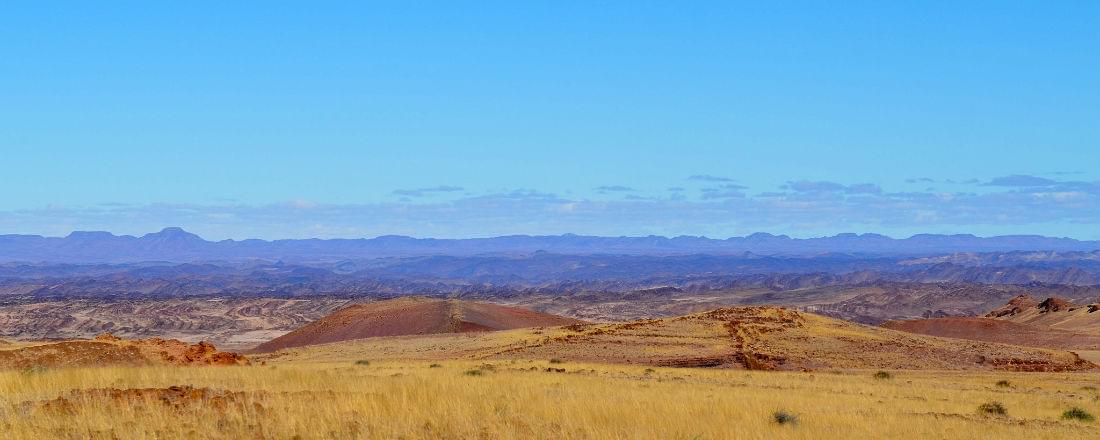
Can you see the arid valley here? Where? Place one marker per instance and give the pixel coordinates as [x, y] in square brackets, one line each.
[980, 345]
[550, 220]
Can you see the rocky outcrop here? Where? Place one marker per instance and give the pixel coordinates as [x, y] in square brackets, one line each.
[109, 350]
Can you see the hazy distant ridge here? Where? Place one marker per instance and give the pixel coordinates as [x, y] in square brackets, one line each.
[177, 245]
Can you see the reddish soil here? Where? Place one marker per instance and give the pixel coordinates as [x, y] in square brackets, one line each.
[768, 338]
[108, 350]
[412, 316]
[997, 330]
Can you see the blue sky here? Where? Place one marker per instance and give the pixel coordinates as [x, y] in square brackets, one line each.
[612, 118]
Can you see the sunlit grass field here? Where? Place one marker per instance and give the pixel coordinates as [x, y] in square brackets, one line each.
[521, 399]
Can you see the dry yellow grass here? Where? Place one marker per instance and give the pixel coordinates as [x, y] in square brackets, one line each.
[520, 400]
[1091, 356]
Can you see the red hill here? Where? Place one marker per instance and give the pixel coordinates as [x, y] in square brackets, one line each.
[412, 316]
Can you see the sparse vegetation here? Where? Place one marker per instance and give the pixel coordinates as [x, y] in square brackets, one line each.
[474, 372]
[362, 362]
[1004, 383]
[520, 403]
[993, 409]
[784, 418]
[650, 371]
[883, 375]
[435, 366]
[556, 361]
[1078, 414]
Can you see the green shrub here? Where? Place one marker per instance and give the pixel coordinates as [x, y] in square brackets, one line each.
[784, 418]
[883, 375]
[993, 409]
[1078, 414]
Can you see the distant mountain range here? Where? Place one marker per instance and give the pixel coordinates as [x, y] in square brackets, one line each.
[177, 245]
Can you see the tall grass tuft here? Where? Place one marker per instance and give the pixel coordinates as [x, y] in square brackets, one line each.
[1078, 414]
[993, 409]
[784, 418]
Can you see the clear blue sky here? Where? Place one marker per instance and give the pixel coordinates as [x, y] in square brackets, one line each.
[354, 119]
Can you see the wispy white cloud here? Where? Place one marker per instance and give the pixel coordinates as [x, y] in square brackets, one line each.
[721, 210]
[422, 192]
[614, 188]
[709, 178]
[1021, 180]
[727, 191]
[807, 186]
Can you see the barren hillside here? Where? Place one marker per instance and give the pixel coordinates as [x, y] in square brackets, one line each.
[412, 316]
[764, 338]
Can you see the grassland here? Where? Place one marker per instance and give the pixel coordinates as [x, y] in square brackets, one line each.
[521, 399]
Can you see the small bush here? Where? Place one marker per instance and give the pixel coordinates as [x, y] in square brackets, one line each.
[784, 418]
[362, 362]
[474, 373]
[993, 409]
[1004, 383]
[35, 369]
[435, 366]
[650, 371]
[1088, 388]
[556, 361]
[1078, 414]
[882, 375]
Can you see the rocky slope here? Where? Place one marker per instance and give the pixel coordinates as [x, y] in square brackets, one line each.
[109, 350]
[1053, 323]
[1054, 313]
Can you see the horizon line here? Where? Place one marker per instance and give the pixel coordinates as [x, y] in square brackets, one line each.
[567, 234]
